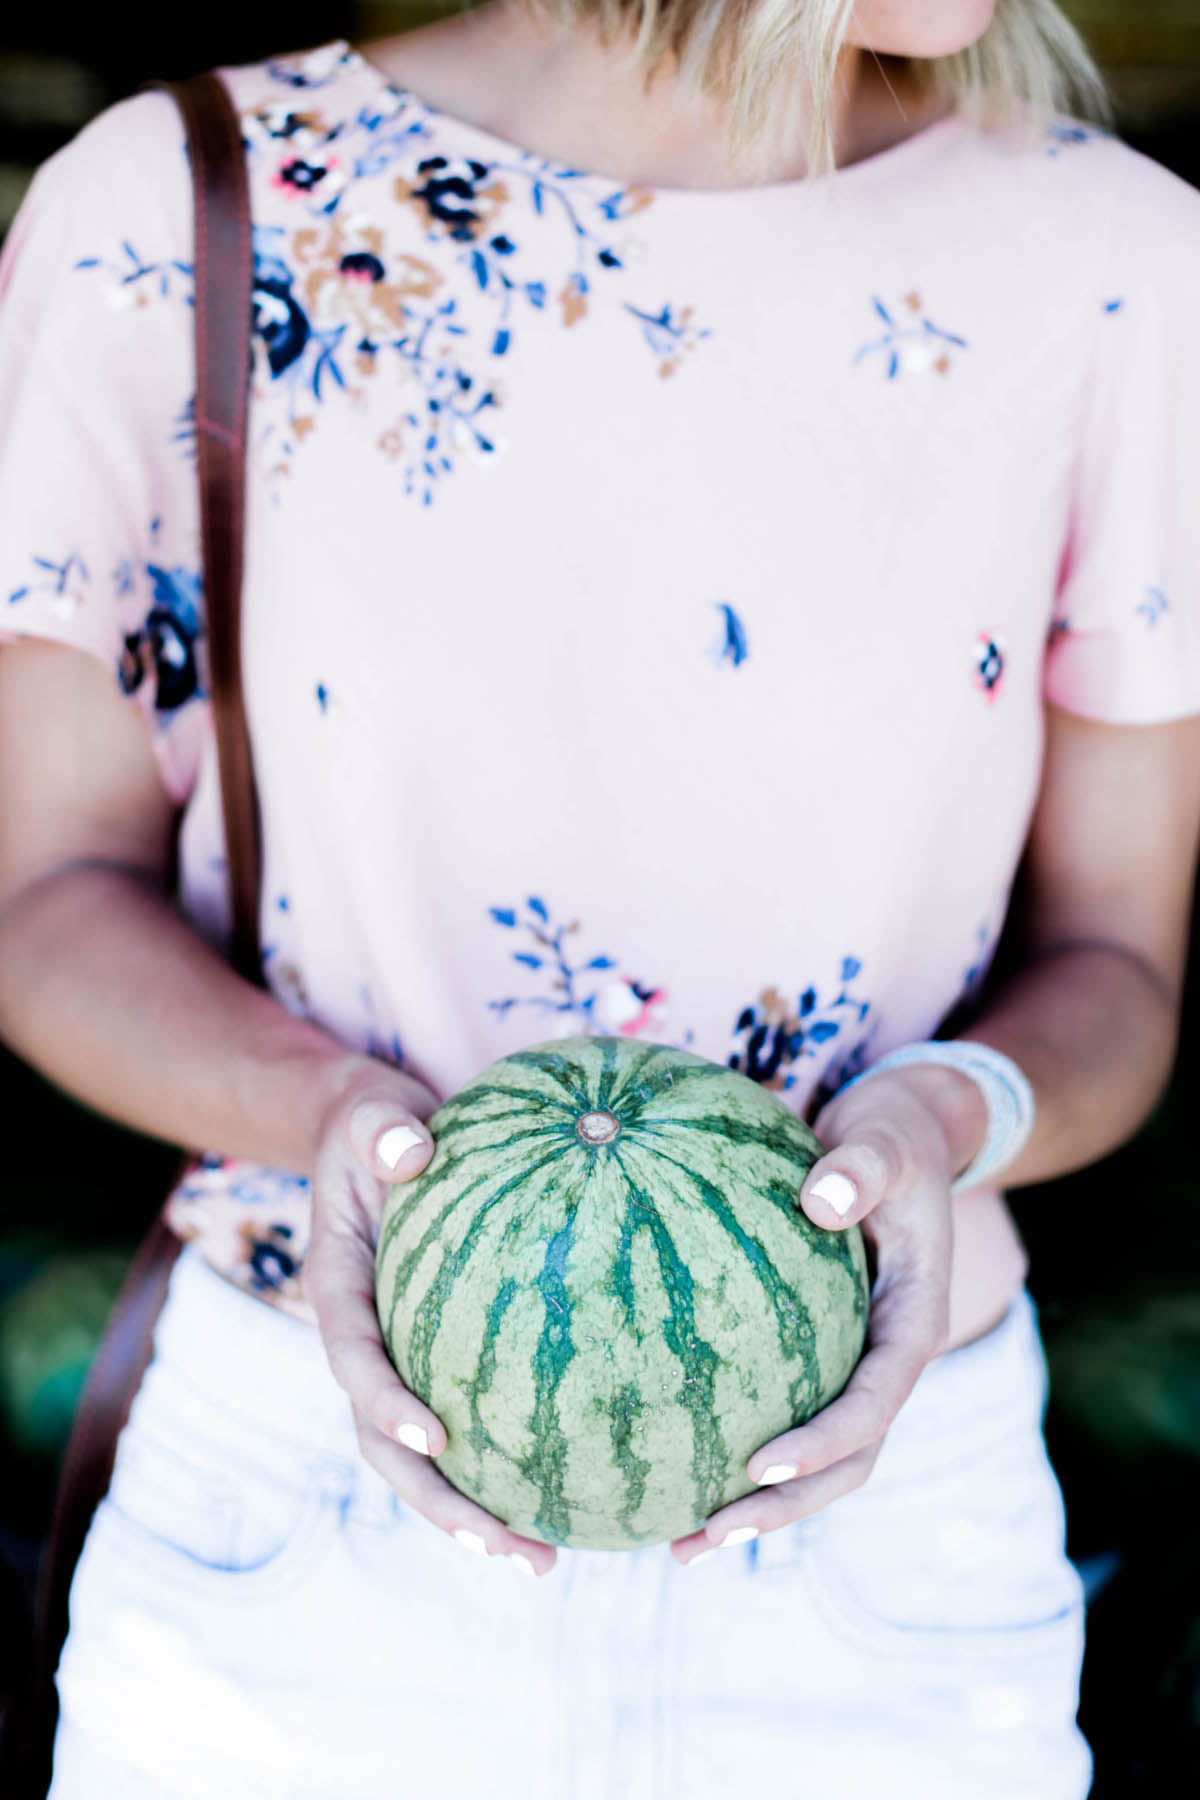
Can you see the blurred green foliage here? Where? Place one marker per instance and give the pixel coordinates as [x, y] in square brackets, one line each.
[1129, 1375]
[54, 1303]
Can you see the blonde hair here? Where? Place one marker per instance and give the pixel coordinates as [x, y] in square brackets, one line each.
[1030, 62]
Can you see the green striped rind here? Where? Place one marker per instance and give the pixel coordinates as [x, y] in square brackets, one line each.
[607, 1332]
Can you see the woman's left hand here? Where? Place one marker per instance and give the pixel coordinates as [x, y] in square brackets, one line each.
[885, 1137]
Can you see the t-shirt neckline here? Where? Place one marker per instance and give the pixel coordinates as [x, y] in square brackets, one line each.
[909, 150]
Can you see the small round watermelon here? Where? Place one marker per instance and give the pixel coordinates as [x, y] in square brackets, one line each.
[604, 1286]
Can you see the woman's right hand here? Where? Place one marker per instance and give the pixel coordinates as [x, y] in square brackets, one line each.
[366, 1143]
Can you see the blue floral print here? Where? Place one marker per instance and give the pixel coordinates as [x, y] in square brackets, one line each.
[185, 429]
[385, 1045]
[965, 1007]
[397, 303]
[312, 68]
[985, 935]
[453, 195]
[64, 582]
[775, 1033]
[915, 348]
[550, 955]
[263, 1224]
[130, 274]
[280, 964]
[1062, 134]
[333, 301]
[278, 319]
[132, 282]
[1153, 609]
[733, 648]
[161, 650]
[669, 334]
[270, 1260]
[392, 133]
[840, 1072]
[617, 1004]
[988, 663]
[331, 708]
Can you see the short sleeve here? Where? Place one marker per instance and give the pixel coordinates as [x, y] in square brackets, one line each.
[99, 515]
[1124, 645]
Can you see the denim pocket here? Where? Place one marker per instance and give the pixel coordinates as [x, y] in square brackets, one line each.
[966, 1563]
[192, 1512]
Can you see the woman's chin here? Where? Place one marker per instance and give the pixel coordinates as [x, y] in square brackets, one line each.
[917, 29]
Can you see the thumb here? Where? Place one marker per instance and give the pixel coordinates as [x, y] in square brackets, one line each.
[387, 1136]
[842, 1187]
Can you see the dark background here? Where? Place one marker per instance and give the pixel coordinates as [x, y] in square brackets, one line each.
[1115, 1250]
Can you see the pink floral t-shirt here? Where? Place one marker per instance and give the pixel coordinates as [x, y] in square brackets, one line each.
[651, 595]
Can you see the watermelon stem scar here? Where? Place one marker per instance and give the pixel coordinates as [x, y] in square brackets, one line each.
[598, 1127]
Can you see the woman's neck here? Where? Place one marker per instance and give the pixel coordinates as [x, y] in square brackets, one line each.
[562, 94]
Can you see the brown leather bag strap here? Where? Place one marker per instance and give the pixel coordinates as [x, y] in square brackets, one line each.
[223, 300]
[113, 1379]
[223, 309]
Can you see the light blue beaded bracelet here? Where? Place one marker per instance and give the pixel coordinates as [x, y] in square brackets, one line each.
[1006, 1094]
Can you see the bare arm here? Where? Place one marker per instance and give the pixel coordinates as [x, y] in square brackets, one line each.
[1092, 1018]
[106, 991]
[201, 1059]
[1093, 1015]
[103, 988]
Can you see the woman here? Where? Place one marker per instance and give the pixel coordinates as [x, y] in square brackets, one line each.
[686, 570]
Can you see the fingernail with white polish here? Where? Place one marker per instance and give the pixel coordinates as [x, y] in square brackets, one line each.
[523, 1563]
[777, 1472]
[836, 1190]
[700, 1558]
[741, 1535]
[395, 1142]
[470, 1540]
[415, 1437]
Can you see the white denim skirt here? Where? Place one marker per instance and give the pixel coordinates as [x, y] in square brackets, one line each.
[256, 1616]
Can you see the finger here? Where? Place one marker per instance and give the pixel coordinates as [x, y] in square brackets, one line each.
[339, 1281]
[774, 1507]
[387, 1138]
[847, 1183]
[908, 1329]
[426, 1490]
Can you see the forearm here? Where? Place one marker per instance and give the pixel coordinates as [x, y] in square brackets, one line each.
[110, 995]
[1095, 1031]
